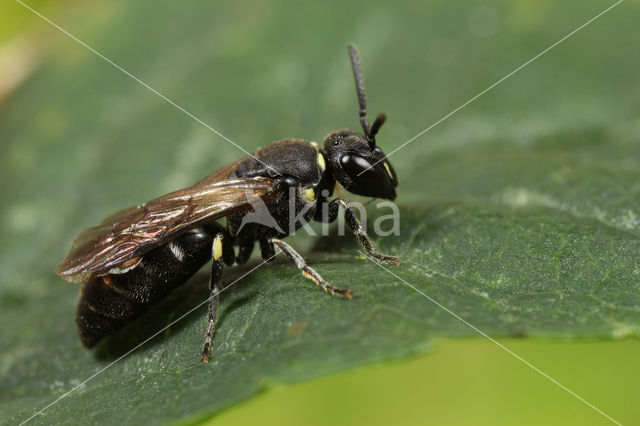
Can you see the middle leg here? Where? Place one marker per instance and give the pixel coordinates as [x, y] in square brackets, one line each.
[309, 273]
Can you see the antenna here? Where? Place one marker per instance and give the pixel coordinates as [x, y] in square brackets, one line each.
[370, 132]
[362, 96]
[371, 137]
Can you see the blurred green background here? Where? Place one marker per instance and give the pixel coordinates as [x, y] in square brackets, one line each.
[79, 139]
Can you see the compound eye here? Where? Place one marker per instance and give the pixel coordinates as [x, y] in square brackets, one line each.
[373, 181]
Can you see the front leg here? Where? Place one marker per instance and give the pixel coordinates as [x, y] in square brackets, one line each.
[357, 229]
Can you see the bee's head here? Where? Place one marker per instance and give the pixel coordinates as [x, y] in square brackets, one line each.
[359, 165]
[356, 162]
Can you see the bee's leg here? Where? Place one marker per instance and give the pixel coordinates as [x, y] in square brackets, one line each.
[244, 251]
[228, 252]
[215, 287]
[360, 233]
[266, 248]
[307, 271]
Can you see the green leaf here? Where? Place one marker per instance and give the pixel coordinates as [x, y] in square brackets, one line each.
[520, 214]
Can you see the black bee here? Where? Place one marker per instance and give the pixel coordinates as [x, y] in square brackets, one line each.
[137, 256]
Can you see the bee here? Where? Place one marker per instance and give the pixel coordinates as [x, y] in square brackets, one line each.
[137, 256]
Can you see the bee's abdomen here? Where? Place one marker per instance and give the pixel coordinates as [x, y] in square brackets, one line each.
[108, 302]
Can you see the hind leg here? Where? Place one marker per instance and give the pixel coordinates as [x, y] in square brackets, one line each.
[215, 285]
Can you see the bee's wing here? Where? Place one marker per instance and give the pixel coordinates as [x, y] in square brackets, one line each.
[93, 233]
[132, 232]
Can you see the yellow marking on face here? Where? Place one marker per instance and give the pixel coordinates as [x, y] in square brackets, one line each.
[321, 162]
[315, 145]
[310, 194]
[217, 248]
[386, 166]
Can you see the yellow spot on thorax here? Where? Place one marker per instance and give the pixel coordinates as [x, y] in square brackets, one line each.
[321, 162]
[310, 194]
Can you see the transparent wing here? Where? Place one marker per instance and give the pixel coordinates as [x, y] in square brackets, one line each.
[132, 232]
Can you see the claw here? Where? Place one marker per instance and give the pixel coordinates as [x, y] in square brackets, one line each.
[387, 259]
[393, 260]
